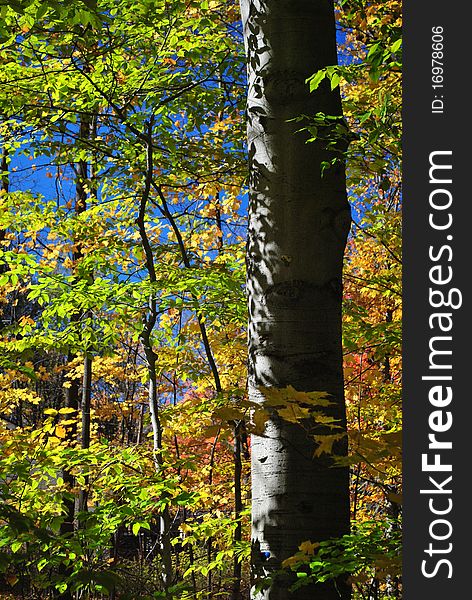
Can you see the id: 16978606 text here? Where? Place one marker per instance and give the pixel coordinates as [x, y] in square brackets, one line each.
[437, 69]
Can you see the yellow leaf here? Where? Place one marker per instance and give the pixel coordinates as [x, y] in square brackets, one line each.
[325, 443]
[289, 395]
[60, 432]
[211, 431]
[24, 320]
[294, 413]
[327, 420]
[228, 413]
[259, 418]
[291, 560]
[308, 547]
[313, 398]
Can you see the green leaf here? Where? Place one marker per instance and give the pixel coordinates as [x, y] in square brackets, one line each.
[42, 10]
[136, 528]
[61, 587]
[335, 79]
[396, 45]
[41, 564]
[373, 51]
[316, 79]
[16, 546]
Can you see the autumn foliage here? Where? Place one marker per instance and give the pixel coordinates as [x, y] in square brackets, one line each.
[122, 231]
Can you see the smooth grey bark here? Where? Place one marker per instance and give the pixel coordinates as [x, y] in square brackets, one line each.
[298, 224]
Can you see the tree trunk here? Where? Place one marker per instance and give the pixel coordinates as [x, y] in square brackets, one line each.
[299, 219]
[4, 175]
[164, 523]
[238, 507]
[85, 433]
[71, 401]
[68, 525]
[72, 392]
[149, 321]
[81, 195]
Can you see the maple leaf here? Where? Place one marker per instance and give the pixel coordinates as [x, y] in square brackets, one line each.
[259, 418]
[308, 547]
[326, 442]
[290, 561]
[294, 413]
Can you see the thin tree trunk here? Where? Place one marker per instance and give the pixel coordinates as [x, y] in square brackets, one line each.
[72, 395]
[85, 432]
[298, 224]
[4, 186]
[238, 429]
[386, 365]
[81, 194]
[72, 402]
[149, 322]
[5, 177]
[238, 507]
[164, 209]
[68, 525]
[139, 435]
